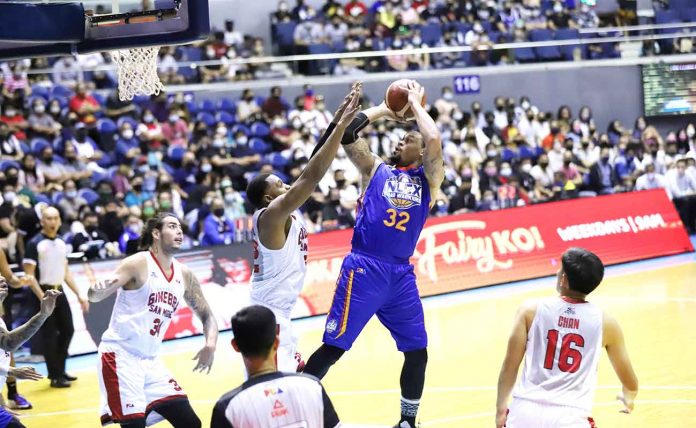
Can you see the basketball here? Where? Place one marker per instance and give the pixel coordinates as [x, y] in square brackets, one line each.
[396, 98]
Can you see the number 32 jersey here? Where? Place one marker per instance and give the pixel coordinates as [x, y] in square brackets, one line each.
[140, 318]
[392, 213]
[562, 356]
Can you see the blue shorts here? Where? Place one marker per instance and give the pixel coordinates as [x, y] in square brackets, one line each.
[5, 417]
[367, 286]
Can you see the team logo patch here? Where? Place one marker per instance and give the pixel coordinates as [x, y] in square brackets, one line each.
[331, 326]
[403, 191]
[272, 391]
[279, 409]
[569, 311]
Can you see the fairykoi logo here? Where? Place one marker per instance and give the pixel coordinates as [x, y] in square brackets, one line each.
[403, 191]
[489, 251]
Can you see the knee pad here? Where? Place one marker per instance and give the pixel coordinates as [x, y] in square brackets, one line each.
[416, 358]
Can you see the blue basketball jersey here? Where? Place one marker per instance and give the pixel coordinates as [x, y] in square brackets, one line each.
[391, 213]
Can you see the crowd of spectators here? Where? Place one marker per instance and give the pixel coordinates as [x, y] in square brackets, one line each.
[108, 165]
[359, 26]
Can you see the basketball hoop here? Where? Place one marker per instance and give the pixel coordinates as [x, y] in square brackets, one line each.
[137, 72]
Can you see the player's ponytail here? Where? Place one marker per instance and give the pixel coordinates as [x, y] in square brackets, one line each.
[153, 223]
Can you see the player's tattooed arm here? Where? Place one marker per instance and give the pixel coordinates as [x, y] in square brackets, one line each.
[362, 157]
[193, 295]
[433, 162]
[11, 340]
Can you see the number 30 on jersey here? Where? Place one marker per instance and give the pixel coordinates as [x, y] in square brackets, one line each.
[396, 219]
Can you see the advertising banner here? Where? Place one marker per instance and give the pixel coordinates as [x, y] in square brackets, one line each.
[453, 253]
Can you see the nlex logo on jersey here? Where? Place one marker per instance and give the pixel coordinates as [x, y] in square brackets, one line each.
[403, 191]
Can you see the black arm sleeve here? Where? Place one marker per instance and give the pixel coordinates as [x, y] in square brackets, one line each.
[330, 416]
[356, 125]
[324, 137]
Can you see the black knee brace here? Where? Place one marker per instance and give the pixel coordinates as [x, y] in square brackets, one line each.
[179, 413]
[322, 359]
[135, 423]
[413, 373]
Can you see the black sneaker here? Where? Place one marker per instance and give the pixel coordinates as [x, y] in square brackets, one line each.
[60, 383]
[69, 378]
[404, 424]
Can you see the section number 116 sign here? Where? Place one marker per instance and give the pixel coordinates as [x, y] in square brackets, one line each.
[467, 84]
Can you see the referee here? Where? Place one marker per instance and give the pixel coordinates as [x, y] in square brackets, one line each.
[269, 399]
[46, 258]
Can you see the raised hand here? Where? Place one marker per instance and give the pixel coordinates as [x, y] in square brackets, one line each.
[25, 373]
[415, 92]
[353, 106]
[48, 303]
[342, 108]
[205, 359]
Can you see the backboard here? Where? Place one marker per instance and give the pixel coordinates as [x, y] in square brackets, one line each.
[49, 28]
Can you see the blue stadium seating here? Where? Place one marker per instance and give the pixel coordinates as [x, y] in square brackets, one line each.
[206, 118]
[89, 195]
[260, 130]
[225, 118]
[228, 105]
[431, 33]
[259, 146]
[241, 127]
[38, 144]
[285, 34]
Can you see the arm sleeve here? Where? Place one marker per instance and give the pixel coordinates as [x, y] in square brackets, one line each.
[330, 417]
[323, 138]
[218, 420]
[31, 255]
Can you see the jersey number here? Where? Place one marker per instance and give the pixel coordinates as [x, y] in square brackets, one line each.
[156, 327]
[398, 225]
[176, 386]
[570, 358]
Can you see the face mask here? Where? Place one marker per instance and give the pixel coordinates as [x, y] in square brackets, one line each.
[690, 132]
[10, 113]
[165, 205]
[447, 96]
[206, 168]
[148, 212]
[221, 130]
[544, 164]
[40, 108]
[457, 115]
[127, 134]
[340, 183]
[490, 171]
[173, 118]
[397, 44]
[506, 172]
[242, 140]
[527, 167]
[417, 41]
[651, 176]
[584, 8]
[297, 123]
[467, 172]
[148, 118]
[71, 194]
[557, 8]
[605, 159]
[500, 107]
[210, 53]
[9, 197]
[138, 187]
[219, 212]
[136, 228]
[491, 153]
[226, 183]
[488, 198]
[48, 159]
[229, 198]
[55, 109]
[218, 143]
[279, 123]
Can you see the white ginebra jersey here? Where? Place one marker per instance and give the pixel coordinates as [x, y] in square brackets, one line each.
[278, 275]
[562, 356]
[140, 318]
[4, 359]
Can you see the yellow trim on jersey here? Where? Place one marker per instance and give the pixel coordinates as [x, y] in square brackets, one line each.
[346, 306]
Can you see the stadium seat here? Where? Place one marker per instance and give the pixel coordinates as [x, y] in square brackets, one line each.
[241, 127]
[127, 119]
[548, 53]
[176, 153]
[322, 66]
[39, 197]
[668, 17]
[260, 130]
[567, 50]
[61, 91]
[525, 55]
[99, 97]
[431, 33]
[24, 146]
[259, 146]
[690, 14]
[141, 100]
[190, 74]
[38, 144]
[40, 91]
[228, 105]
[57, 197]
[63, 101]
[106, 126]
[88, 195]
[207, 106]
[285, 34]
[206, 118]
[9, 163]
[225, 118]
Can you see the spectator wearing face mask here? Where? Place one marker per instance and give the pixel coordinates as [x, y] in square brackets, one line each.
[275, 105]
[136, 196]
[175, 130]
[128, 242]
[488, 202]
[70, 204]
[76, 167]
[87, 149]
[626, 164]
[215, 71]
[84, 105]
[30, 176]
[217, 229]
[247, 106]
[52, 171]
[127, 145]
[463, 201]
[543, 178]
[603, 179]
[91, 239]
[15, 121]
[149, 131]
[234, 201]
[115, 108]
[651, 180]
[10, 149]
[67, 72]
[41, 124]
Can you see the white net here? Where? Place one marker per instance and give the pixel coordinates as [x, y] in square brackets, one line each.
[137, 72]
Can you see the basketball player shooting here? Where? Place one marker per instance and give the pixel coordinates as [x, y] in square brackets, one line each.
[280, 238]
[561, 339]
[136, 389]
[376, 277]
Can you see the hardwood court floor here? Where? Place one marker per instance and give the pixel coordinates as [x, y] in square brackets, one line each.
[654, 301]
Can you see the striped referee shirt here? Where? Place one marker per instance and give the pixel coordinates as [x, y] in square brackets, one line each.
[276, 400]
